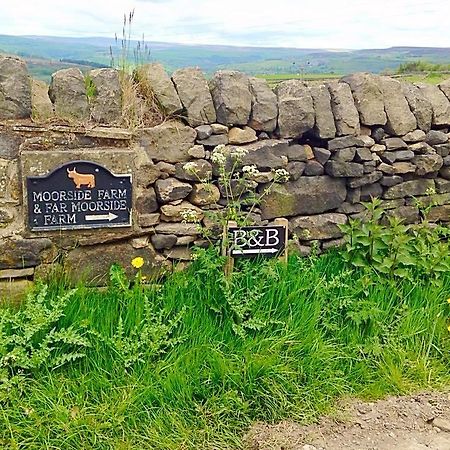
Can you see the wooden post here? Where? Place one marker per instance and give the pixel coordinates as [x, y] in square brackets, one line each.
[226, 250]
[284, 223]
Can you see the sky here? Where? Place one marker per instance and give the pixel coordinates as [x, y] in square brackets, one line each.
[331, 24]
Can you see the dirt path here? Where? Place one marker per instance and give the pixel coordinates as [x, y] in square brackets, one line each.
[415, 422]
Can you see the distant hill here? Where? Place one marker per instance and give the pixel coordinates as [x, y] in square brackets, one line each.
[46, 54]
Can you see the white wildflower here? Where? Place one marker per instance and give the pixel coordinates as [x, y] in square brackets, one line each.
[190, 167]
[238, 153]
[217, 156]
[189, 215]
[251, 170]
[281, 175]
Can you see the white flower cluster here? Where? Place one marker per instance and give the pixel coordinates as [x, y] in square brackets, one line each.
[238, 153]
[189, 215]
[190, 167]
[281, 175]
[251, 170]
[217, 156]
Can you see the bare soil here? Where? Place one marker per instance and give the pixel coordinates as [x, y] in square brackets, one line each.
[414, 422]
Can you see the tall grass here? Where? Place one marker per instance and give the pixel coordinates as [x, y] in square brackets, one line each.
[274, 342]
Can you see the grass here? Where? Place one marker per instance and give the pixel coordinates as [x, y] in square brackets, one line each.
[276, 342]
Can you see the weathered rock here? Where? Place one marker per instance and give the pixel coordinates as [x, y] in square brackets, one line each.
[156, 79]
[394, 143]
[353, 195]
[409, 189]
[386, 168]
[166, 168]
[363, 155]
[439, 102]
[15, 88]
[427, 163]
[414, 136]
[204, 131]
[434, 137]
[445, 172]
[378, 148]
[389, 181]
[264, 112]
[344, 169]
[367, 179]
[400, 119]
[296, 109]
[443, 150]
[106, 102]
[321, 154]
[197, 170]
[148, 220]
[350, 208]
[146, 201]
[214, 140]
[147, 174]
[345, 114]
[295, 169]
[444, 86]
[344, 154]
[218, 128]
[267, 155]
[419, 104]
[298, 152]
[195, 96]
[232, 98]
[180, 253]
[14, 292]
[17, 253]
[378, 134]
[324, 126]
[169, 141]
[369, 166]
[307, 195]
[42, 107]
[401, 168]
[67, 92]
[371, 191]
[439, 214]
[421, 148]
[9, 145]
[313, 168]
[179, 229]
[408, 214]
[171, 189]
[204, 194]
[197, 151]
[368, 98]
[323, 226]
[350, 141]
[241, 135]
[175, 213]
[399, 155]
[6, 217]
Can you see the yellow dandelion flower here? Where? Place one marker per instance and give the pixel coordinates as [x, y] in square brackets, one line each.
[137, 262]
[448, 328]
[448, 300]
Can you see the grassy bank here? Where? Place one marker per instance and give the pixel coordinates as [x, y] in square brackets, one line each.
[192, 362]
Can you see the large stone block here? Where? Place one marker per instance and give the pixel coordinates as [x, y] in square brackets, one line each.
[346, 116]
[307, 195]
[17, 253]
[419, 104]
[409, 189]
[195, 96]
[155, 77]
[264, 112]
[170, 141]
[324, 126]
[322, 226]
[15, 88]
[400, 119]
[232, 98]
[9, 145]
[368, 98]
[42, 107]
[296, 109]
[171, 189]
[439, 102]
[106, 102]
[68, 94]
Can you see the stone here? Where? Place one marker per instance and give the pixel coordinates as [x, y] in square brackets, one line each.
[195, 96]
[445, 172]
[146, 201]
[241, 135]
[148, 220]
[298, 152]
[409, 189]
[106, 102]
[439, 214]
[295, 109]
[414, 136]
[181, 253]
[14, 292]
[367, 179]
[102, 132]
[442, 185]
[67, 92]
[197, 151]
[264, 111]
[378, 134]
[91, 264]
[401, 168]
[197, 170]
[321, 154]
[386, 168]
[313, 168]
[350, 208]
[214, 140]
[9, 145]
[155, 78]
[178, 229]
[263, 135]
[267, 155]
[8, 274]
[307, 195]
[394, 143]
[322, 226]
[218, 128]
[408, 214]
[363, 155]
[333, 243]
[370, 191]
[295, 169]
[346, 117]
[17, 253]
[232, 98]
[15, 88]
[166, 168]
[171, 189]
[344, 154]
[204, 131]
[443, 150]
[427, 163]
[434, 137]
[368, 97]
[420, 106]
[6, 217]
[439, 103]
[353, 195]
[431, 200]
[392, 204]
[168, 142]
[388, 181]
[444, 86]
[378, 148]
[204, 194]
[344, 169]
[369, 166]
[175, 213]
[324, 127]
[350, 141]
[41, 105]
[147, 174]
[263, 177]
[400, 119]
[398, 155]
[421, 148]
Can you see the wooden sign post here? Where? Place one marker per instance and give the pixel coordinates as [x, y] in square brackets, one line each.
[254, 241]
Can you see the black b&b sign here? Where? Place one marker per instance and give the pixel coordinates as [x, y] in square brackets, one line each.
[79, 194]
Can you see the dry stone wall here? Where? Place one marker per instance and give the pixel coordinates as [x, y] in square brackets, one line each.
[342, 143]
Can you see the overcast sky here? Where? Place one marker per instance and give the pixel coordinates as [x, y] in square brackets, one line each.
[287, 23]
